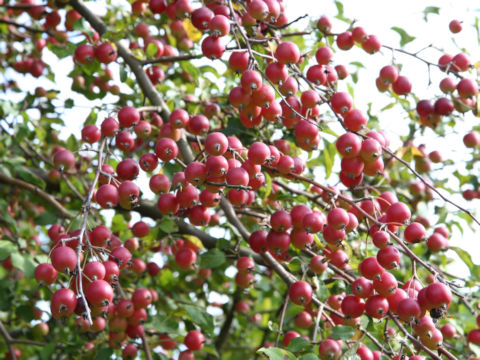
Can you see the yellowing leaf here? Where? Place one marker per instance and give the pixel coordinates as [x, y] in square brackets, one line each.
[237, 6]
[52, 95]
[401, 151]
[192, 32]
[415, 151]
[358, 335]
[195, 240]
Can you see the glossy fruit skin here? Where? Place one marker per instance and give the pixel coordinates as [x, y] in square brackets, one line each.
[64, 160]
[289, 335]
[402, 86]
[258, 241]
[287, 53]
[91, 134]
[370, 268]
[99, 292]
[455, 26]
[128, 116]
[341, 102]
[185, 257]
[212, 47]
[377, 306]
[64, 259]
[105, 53]
[338, 218]
[166, 149]
[438, 295]
[329, 349]
[63, 303]
[300, 293]
[448, 331]
[352, 306]
[45, 273]
[94, 270]
[474, 336]
[141, 298]
[216, 143]
[365, 353]
[194, 340]
[409, 309]
[303, 320]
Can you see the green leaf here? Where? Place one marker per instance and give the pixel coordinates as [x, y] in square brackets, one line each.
[328, 159]
[340, 11]
[119, 223]
[467, 259]
[46, 218]
[47, 351]
[69, 103]
[191, 69]
[274, 353]
[159, 356]
[475, 349]
[351, 353]
[123, 74]
[358, 64]
[62, 51]
[341, 332]
[30, 177]
[209, 349]
[268, 188]
[152, 50]
[207, 68]
[298, 344]
[430, 10]
[72, 143]
[91, 119]
[83, 26]
[309, 356]
[212, 258]
[200, 317]
[404, 37]
[167, 225]
[25, 312]
[24, 262]
[171, 168]
[6, 248]
[104, 354]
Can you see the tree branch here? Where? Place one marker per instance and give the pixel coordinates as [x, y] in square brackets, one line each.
[223, 335]
[36, 190]
[8, 340]
[146, 348]
[166, 59]
[26, 27]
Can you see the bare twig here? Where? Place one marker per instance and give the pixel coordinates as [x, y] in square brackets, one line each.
[282, 318]
[86, 212]
[26, 27]
[8, 340]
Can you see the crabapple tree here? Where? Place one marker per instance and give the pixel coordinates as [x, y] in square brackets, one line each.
[216, 179]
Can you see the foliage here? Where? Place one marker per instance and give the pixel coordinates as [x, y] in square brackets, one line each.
[173, 93]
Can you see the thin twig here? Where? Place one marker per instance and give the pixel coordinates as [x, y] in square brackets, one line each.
[282, 318]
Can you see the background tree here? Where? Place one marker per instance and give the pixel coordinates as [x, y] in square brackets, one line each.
[225, 198]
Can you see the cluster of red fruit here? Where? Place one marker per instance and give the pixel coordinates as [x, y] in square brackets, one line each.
[360, 157]
[430, 113]
[347, 39]
[99, 278]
